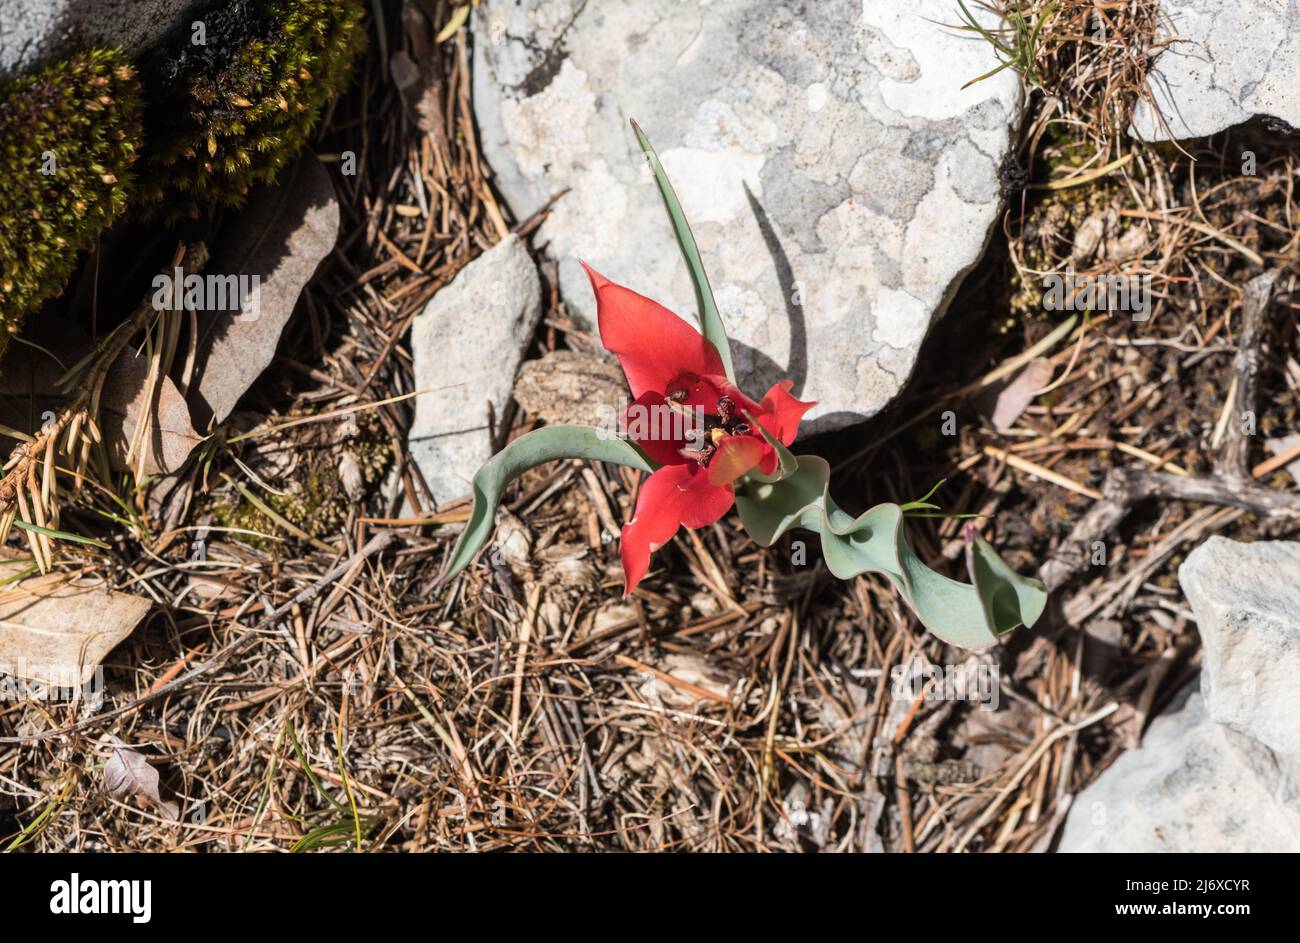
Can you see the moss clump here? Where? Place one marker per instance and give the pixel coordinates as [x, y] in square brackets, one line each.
[1054, 239]
[230, 114]
[68, 137]
[313, 497]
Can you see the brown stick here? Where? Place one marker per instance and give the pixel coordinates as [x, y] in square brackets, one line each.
[1231, 485]
[1232, 461]
[376, 544]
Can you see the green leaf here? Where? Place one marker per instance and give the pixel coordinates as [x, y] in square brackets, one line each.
[923, 503]
[60, 534]
[536, 448]
[973, 24]
[969, 616]
[710, 320]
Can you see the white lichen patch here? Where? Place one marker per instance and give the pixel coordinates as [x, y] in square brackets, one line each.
[712, 183]
[546, 131]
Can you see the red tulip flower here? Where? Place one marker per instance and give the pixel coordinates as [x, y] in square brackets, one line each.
[674, 371]
[707, 446]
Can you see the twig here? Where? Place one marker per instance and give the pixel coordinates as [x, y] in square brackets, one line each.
[1232, 485]
[1232, 462]
[375, 545]
[1038, 471]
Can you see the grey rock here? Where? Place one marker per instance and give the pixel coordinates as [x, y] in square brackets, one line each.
[838, 179]
[34, 31]
[1228, 62]
[1246, 597]
[1185, 789]
[1220, 770]
[467, 344]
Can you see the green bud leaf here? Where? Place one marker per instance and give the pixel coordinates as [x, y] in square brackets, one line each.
[710, 320]
[787, 464]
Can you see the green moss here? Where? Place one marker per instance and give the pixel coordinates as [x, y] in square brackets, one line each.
[1051, 227]
[68, 137]
[231, 114]
[314, 500]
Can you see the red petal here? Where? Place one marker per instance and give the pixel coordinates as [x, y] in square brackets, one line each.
[721, 387]
[660, 431]
[780, 412]
[674, 495]
[655, 346]
[736, 455]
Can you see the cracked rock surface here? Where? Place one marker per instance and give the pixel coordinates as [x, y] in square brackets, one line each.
[34, 31]
[838, 179]
[1228, 62]
[1220, 769]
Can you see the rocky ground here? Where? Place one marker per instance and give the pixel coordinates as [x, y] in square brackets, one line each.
[877, 233]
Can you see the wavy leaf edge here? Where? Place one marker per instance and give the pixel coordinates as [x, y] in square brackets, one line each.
[968, 615]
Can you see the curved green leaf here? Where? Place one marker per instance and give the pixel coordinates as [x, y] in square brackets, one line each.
[710, 320]
[967, 615]
[528, 451]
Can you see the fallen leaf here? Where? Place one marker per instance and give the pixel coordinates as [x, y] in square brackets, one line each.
[406, 76]
[128, 773]
[57, 631]
[172, 436]
[459, 17]
[418, 74]
[1015, 397]
[280, 239]
[207, 588]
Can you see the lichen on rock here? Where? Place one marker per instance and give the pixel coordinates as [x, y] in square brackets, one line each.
[837, 177]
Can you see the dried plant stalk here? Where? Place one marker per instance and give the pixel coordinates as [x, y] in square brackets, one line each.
[29, 490]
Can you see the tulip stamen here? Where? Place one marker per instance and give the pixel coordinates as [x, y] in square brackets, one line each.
[716, 427]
